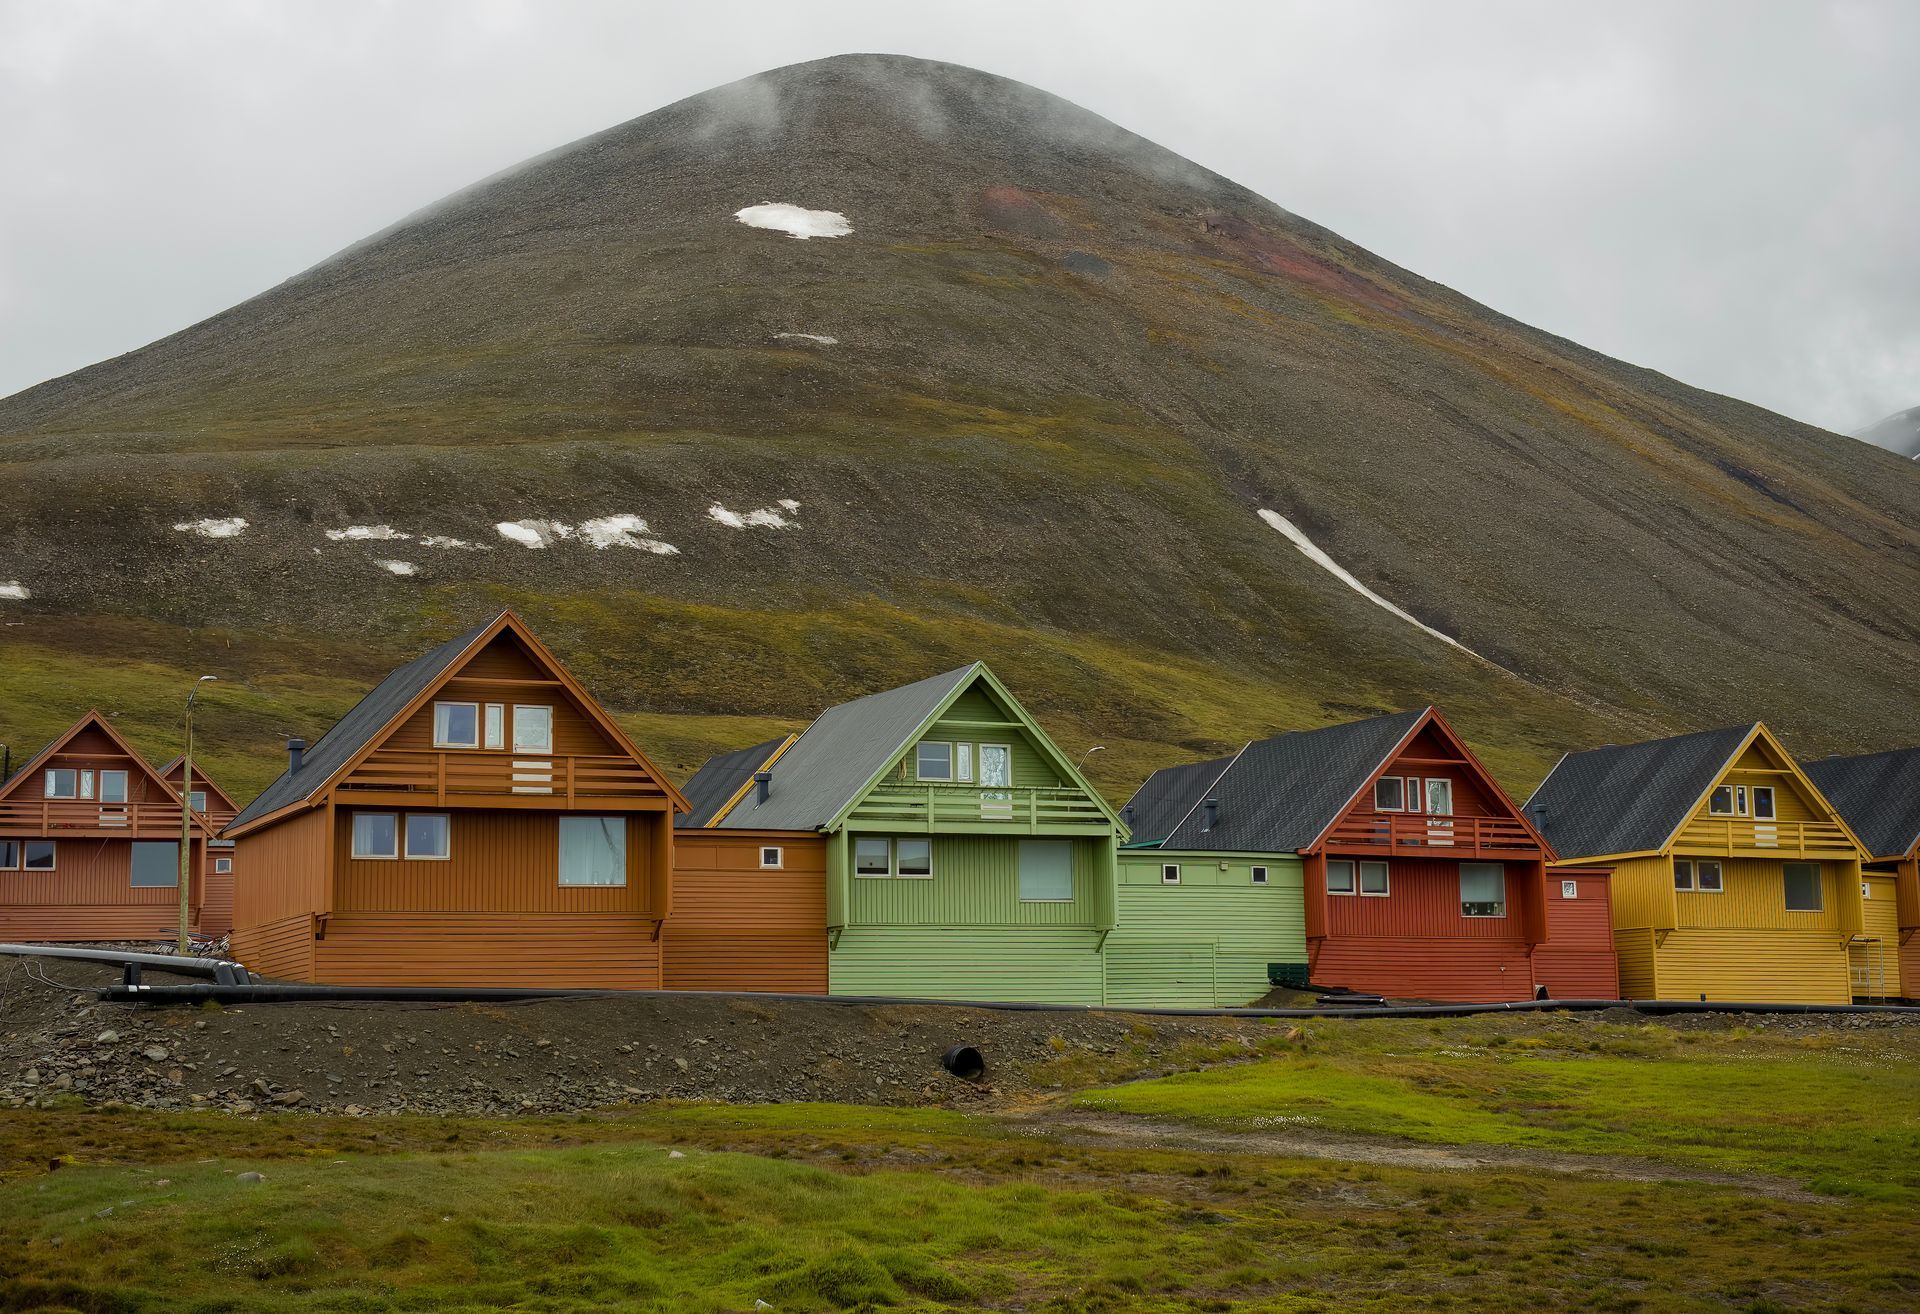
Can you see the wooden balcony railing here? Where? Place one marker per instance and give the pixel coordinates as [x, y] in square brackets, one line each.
[1402, 832]
[1730, 835]
[930, 807]
[60, 816]
[438, 776]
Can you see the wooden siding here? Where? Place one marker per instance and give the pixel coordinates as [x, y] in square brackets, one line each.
[1578, 960]
[1754, 966]
[280, 950]
[499, 861]
[1873, 957]
[1642, 893]
[280, 871]
[1018, 964]
[1634, 947]
[216, 895]
[1755, 898]
[976, 882]
[1205, 942]
[89, 896]
[549, 950]
[1423, 900]
[738, 926]
[1449, 970]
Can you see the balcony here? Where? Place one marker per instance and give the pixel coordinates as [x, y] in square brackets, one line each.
[1412, 834]
[1005, 811]
[426, 777]
[1744, 837]
[52, 817]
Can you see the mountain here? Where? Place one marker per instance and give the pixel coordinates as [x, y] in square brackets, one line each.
[1899, 433]
[992, 378]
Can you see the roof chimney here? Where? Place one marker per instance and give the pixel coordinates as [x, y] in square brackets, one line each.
[761, 781]
[1126, 814]
[1212, 807]
[296, 749]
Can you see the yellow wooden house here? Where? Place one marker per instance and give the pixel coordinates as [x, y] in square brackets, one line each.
[1734, 878]
[1879, 795]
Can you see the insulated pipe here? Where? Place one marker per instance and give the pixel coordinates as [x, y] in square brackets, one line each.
[964, 1062]
[223, 970]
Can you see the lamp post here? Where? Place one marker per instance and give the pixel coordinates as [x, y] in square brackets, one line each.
[186, 808]
[1081, 766]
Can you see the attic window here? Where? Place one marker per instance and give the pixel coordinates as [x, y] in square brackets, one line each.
[933, 761]
[1763, 802]
[1390, 794]
[456, 725]
[532, 729]
[1720, 802]
[113, 787]
[196, 799]
[64, 782]
[496, 725]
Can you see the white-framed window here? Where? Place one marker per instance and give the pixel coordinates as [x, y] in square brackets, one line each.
[1483, 889]
[1569, 889]
[197, 800]
[1390, 794]
[1373, 879]
[1046, 871]
[1707, 876]
[456, 725]
[113, 787]
[221, 866]
[428, 836]
[913, 858]
[1169, 873]
[1439, 796]
[64, 782]
[532, 729]
[932, 760]
[770, 856]
[154, 864]
[1720, 802]
[9, 855]
[593, 850]
[1340, 878]
[963, 763]
[1740, 800]
[1763, 808]
[1802, 886]
[38, 855]
[376, 835]
[1259, 875]
[495, 730]
[872, 856]
[1682, 874]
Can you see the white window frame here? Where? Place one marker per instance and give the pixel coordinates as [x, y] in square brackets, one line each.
[1700, 885]
[1484, 916]
[1360, 878]
[1353, 877]
[899, 864]
[222, 866]
[920, 775]
[406, 837]
[1773, 811]
[559, 847]
[1819, 887]
[518, 747]
[1683, 865]
[963, 763]
[53, 855]
[1426, 797]
[1713, 798]
[1258, 875]
[1378, 806]
[200, 794]
[52, 775]
[1569, 889]
[17, 848]
[779, 856]
[353, 841]
[1739, 800]
[125, 785]
[883, 840]
[439, 726]
[493, 727]
[1169, 873]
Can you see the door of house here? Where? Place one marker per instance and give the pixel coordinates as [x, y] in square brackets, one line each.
[1439, 805]
[996, 782]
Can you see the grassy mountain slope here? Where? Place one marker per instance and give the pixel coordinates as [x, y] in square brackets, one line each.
[1069, 370]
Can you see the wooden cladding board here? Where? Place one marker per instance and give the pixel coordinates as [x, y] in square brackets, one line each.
[280, 871]
[1445, 970]
[67, 923]
[1578, 961]
[976, 882]
[1207, 940]
[1016, 964]
[574, 732]
[89, 896]
[1754, 966]
[1423, 900]
[1635, 951]
[279, 950]
[1874, 955]
[739, 926]
[1755, 898]
[1470, 798]
[608, 951]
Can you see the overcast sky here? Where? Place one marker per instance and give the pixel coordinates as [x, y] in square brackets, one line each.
[1726, 191]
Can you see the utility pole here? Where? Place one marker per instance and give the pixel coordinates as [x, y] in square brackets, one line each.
[186, 809]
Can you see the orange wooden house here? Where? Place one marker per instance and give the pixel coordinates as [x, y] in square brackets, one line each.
[216, 874]
[476, 820]
[90, 843]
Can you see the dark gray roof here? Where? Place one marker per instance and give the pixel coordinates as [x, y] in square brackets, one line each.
[1877, 794]
[1168, 795]
[1629, 798]
[1279, 794]
[844, 749]
[353, 731]
[720, 778]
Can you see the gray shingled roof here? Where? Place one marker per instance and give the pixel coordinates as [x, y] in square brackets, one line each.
[719, 779]
[1168, 795]
[1281, 793]
[844, 748]
[352, 732]
[1629, 798]
[1878, 794]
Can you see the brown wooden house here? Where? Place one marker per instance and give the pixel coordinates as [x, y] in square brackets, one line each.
[215, 897]
[477, 820]
[90, 843]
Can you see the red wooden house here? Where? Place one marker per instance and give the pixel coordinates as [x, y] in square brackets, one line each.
[216, 876]
[1421, 877]
[90, 843]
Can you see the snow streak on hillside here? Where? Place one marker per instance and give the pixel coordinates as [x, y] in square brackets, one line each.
[1339, 572]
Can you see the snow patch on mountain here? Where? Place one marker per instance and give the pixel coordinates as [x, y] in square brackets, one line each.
[231, 527]
[766, 517]
[1339, 572]
[794, 221]
[14, 591]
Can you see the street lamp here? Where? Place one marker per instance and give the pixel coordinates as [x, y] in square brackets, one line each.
[1081, 766]
[186, 807]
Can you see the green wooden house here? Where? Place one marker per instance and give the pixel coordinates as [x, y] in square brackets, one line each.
[966, 856]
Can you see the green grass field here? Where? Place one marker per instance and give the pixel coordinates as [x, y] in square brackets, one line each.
[822, 1207]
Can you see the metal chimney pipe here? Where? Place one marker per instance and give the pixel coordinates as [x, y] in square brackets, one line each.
[296, 749]
[761, 782]
[1212, 807]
